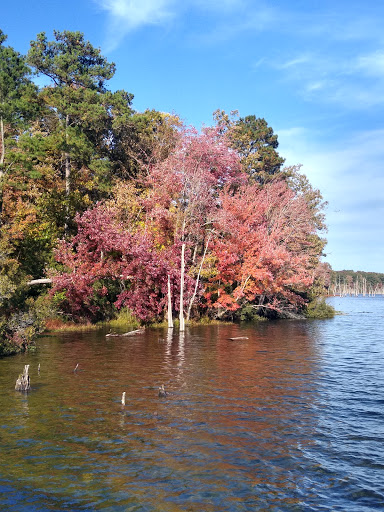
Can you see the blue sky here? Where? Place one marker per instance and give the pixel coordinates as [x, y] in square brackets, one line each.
[313, 69]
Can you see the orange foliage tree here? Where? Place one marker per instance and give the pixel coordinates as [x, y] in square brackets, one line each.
[263, 251]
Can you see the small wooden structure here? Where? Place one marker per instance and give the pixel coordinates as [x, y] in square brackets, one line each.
[23, 382]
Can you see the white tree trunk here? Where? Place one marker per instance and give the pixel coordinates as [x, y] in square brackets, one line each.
[198, 279]
[182, 325]
[2, 144]
[67, 160]
[170, 319]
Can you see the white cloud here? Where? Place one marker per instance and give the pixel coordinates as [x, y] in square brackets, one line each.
[349, 175]
[371, 64]
[345, 26]
[297, 61]
[127, 15]
[133, 13]
[232, 17]
[316, 86]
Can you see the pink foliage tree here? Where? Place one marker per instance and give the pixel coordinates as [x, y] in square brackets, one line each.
[264, 251]
[105, 256]
[187, 185]
[194, 205]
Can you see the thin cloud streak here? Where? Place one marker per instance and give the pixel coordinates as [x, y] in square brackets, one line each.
[230, 17]
[134, 13]
[354, 83]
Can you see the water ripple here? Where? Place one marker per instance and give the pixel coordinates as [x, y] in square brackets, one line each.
[289, 420]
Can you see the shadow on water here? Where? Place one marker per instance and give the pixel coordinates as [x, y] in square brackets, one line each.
[289, 419]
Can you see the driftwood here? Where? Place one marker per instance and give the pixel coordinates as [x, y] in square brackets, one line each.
[240, 338]
[39, 281]
[130, 333]
[23, 381]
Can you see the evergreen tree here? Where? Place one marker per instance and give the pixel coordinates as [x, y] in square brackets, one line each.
[257, 145]
[18, 104]
[80, 113]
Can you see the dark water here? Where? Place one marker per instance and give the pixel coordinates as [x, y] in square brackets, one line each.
[291, 419]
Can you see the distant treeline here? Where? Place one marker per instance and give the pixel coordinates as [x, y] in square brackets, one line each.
[372, 278]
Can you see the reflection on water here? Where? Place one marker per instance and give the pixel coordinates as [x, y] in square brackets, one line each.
[290, 419]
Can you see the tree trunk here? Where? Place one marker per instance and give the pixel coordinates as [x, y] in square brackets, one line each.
[170, 319]
[182, 325]
[198, 278]
[40, 281]
[67, 174]
[2, 156]
[67, 160]
[23, 382]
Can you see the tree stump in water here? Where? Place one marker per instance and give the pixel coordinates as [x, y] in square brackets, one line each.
[23, 382]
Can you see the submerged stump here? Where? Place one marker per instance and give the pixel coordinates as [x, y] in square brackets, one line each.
[23, 381]
[162, 392]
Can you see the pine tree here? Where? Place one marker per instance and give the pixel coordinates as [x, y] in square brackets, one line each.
[80, 110]
[18, 104]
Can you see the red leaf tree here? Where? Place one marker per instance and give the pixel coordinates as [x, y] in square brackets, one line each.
[193, 215]
[264, 254]
[106, 263]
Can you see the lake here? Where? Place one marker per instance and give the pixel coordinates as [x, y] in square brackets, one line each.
[290, 419]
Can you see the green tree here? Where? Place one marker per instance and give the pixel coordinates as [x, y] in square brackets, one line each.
[142, 140]
[256, 144]
[19, 321]
[18, 105]
[77, 129]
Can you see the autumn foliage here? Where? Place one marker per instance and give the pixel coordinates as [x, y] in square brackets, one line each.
[247, 244]
[263, 249]
[113, 204]
[109, 265]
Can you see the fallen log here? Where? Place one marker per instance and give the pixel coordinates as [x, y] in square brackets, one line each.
[130, 333]
[240, 338]
[39, 281]
[23, 382]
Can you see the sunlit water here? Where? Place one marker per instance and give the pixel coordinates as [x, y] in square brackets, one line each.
[290, 419]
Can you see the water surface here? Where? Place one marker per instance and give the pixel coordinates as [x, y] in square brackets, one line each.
[290, 419]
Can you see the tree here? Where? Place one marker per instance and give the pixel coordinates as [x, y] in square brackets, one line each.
[69, 61]
[143, 140]
[264, 251]
[108, 265]
[255, 142]
[186, 185]
[18, 104]
[301, 186]
[19, 319]
[80, 111]
[154, 228]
